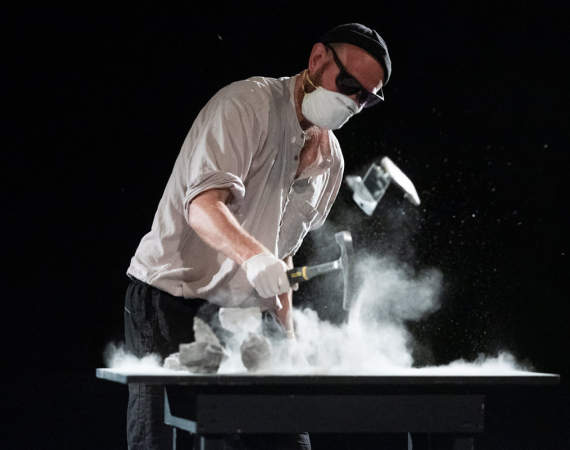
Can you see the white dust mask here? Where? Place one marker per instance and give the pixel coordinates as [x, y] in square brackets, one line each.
[327, 109]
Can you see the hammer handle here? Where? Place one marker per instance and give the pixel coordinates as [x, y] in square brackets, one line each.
[304, 273]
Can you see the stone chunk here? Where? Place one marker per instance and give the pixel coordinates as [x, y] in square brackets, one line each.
[172, 362]
[255, 352]
[201, 357]
[203, 333]
[205, 354]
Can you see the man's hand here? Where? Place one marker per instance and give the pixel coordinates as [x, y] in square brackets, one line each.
[267, 275]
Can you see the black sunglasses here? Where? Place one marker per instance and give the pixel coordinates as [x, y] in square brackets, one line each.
[348, 85]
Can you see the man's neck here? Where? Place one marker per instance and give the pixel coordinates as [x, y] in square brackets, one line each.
[299, 94]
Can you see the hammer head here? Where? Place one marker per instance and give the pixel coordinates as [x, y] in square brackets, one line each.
[344, 240]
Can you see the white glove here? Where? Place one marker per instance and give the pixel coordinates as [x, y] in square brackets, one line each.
[267, 274]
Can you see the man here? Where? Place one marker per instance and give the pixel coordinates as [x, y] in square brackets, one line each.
[259, 168]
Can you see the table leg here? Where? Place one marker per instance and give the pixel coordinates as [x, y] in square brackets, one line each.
[441, 441]
[209, 442]
[181, 439]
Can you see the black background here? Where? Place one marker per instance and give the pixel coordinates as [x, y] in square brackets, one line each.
[98, 101]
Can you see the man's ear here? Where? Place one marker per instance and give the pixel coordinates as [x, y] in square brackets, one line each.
[317, 57]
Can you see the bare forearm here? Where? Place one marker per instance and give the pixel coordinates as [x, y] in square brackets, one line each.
[285, 314]
[216, 225]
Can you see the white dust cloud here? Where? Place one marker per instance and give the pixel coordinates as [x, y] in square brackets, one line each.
[374, 340]
[117, 358]
[503, 364]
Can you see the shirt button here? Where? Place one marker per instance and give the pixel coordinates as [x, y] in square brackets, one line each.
[296, 157]
[293, 140]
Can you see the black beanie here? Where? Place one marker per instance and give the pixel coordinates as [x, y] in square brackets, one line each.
[363, 37]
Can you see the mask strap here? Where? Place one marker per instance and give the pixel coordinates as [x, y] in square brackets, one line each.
[307, 76]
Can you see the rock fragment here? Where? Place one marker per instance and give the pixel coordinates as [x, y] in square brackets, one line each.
[203, 333]
[205, 354]
[172, 362]
[255, 352]
[201, 357]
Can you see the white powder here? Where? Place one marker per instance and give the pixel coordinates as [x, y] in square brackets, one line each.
[373, 341]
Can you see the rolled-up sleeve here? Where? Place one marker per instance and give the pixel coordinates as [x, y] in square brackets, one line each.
[220, 148]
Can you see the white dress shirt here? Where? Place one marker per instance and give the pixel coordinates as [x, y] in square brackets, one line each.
[247, 139]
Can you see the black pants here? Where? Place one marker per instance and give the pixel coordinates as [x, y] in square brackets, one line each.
[157, 322]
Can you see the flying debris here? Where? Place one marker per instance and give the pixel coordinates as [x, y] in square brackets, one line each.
[370, 190]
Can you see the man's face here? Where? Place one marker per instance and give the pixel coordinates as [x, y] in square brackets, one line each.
[359, 63]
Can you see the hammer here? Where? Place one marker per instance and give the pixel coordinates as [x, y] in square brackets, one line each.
[344, 263]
